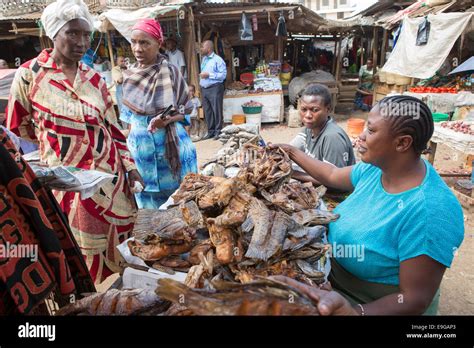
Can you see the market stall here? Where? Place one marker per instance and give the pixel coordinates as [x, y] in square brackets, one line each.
[439, 49]
[266, 45]
[234, 230]
[272, 104]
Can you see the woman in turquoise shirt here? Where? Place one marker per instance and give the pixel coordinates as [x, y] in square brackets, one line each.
[400, 228]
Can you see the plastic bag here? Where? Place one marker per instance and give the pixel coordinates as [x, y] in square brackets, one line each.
[281, 27]
[245, 28]
[423, 33]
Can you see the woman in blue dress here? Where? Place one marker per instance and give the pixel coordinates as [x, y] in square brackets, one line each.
[161, 148]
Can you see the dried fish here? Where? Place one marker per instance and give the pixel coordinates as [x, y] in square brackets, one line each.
[303, 236]
[174, 262]
[192, 215]
[295, 196]
[174, 230]
[267, 168]
[219, 196]
[194, 186]
[310, 269]
[312, 217]
[202, 247]
[156, 251]
[269, 231]
[236, 212]
[223, 240]
[117, 302]
[262, 297]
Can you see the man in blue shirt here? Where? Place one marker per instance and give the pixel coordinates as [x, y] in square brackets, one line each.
[213, 74]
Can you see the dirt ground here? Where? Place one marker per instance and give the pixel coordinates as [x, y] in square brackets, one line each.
[457, 287]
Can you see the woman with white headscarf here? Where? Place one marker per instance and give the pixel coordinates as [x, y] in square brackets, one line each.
[64, 105]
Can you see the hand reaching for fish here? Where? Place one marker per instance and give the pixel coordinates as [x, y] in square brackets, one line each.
[285, 147]
[328, 302]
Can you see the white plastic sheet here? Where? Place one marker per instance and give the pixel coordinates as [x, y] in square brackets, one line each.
[124, 20]
[423, 61]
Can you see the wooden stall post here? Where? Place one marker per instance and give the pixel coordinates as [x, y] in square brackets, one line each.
[338, 64]
[384, 47]
[198, 87]
[296, 48]
[336, 41]
[111, 51]
[375, 49]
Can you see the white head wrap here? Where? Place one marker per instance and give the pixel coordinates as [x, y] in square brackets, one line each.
[57, 14]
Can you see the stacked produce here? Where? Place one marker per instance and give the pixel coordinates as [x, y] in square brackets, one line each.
[252, 103]
[459, 126]
[433, 90]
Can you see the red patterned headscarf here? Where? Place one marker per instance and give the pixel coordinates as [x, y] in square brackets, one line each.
[151, 27]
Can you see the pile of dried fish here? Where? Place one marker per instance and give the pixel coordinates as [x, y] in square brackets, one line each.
[230, 234]
[255, 224]
[261, 297]
[237, 135]
[167, 235]
[233, 137]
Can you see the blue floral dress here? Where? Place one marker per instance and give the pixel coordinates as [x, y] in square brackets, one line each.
[148, 151]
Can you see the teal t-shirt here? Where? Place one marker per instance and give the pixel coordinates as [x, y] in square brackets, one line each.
[378, 230]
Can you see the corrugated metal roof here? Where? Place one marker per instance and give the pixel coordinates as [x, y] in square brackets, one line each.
[25, 16]
[243, 4]
[94, 8]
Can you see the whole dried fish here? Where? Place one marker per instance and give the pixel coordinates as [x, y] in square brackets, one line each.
[236, 212]
[263, 297]
[269, 231]
[116, 302]
[219, 196]
[295, 196]
[156, 265]
[174, 230]
[302, 236]
[227, 249]
[194, 186]
[156, 251]
[312, 217]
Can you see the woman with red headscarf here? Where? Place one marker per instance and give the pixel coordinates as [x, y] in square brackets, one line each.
[161, 147]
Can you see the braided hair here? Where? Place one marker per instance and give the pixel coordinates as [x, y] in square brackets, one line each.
[408, 116]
